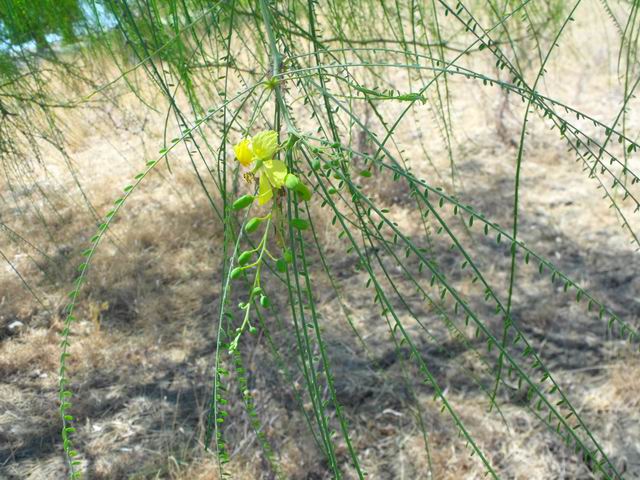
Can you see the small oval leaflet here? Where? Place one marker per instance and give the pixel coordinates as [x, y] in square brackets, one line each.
[299, 223]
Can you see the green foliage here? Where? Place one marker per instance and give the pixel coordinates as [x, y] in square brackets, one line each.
[23, 21]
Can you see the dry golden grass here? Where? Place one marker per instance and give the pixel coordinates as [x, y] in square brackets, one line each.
[142, 350]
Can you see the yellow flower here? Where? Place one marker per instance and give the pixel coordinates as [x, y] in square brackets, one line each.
[261, 149]
[272, 175]
[265, 144]
[243, 152]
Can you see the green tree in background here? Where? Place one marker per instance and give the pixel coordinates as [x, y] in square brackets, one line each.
[23, 21]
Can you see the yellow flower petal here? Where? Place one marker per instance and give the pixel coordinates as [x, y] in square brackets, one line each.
[275, 171]
[265, 144]
[265, 192]
[243, 152]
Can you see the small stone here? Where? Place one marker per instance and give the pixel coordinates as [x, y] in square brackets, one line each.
[15, 325]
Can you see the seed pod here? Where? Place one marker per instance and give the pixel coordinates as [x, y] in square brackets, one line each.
[244, 257]
[256, 291]
[299, 223]
[281, 265]
[252, 225]
[253, 330]
[243, 202]
[235, 273]
[315, 163]
[264, 301]
[288, 256]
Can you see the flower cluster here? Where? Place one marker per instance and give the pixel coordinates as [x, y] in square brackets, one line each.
[273, 174]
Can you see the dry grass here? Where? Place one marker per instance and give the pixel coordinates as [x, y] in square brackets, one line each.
[142, 350]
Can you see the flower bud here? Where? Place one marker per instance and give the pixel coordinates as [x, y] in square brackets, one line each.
[244, 257]
[291, 181]
[242, 202]
[256, 291]
[264, 301]
[252, 225]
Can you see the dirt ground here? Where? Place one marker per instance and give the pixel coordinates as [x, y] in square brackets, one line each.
[142, 352]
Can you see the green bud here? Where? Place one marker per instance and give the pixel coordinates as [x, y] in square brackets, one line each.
[235, 273]
[253, 330]
[256, 291]
[252, 225]
[281, 265]
[244, 257]
[243, 202]
[291, 181]
[264, 301]
[315, 163]
[288, 256]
